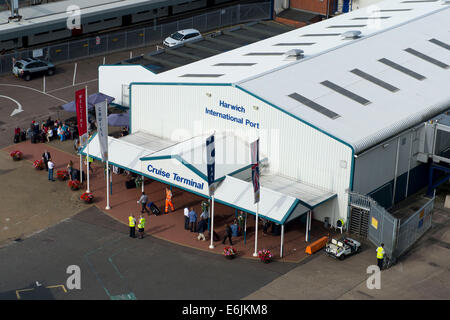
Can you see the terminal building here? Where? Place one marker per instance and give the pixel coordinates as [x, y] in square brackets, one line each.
[343, 105]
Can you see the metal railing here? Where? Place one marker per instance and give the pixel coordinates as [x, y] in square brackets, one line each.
[119, 41]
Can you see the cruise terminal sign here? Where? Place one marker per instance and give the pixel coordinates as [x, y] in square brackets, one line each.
[175, 173]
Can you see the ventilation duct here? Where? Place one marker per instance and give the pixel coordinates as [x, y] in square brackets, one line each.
[294, 54]
[354, 34]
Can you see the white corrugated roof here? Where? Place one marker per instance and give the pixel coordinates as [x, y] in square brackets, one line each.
[127, 151]
[385, 113]
[314, 33]
[273, 205]
[310, 195]
[231, 154]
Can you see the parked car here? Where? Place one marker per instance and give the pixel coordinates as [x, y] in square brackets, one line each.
[182, 36]
[30, 67]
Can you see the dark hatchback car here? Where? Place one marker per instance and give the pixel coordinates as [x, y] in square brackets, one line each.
[30, 67]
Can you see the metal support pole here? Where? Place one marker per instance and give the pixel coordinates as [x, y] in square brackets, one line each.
[409, 164]
[43, 84]
[211, 246]
[307, 227]
[107, 186]
[255, 254]
[245, 229]
[142, 187]
[395, 172]
[75, 74]
[81, 168]
[282, 241]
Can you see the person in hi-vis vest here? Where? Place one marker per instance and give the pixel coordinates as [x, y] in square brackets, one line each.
[380, 256]
[132, 225]
[141, 226]
[168, 200]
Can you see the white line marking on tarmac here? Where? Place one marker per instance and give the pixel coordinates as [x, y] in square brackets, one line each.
[76, 84]
[19, 86]
[16, 110]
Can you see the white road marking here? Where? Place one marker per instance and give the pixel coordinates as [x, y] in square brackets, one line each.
[76, 84]
[19, 86]
[19, 106]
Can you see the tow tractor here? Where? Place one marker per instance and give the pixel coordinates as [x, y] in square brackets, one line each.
[341, 248]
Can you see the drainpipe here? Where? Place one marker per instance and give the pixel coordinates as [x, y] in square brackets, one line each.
[396, 171]
[328, 8]
[409, 164]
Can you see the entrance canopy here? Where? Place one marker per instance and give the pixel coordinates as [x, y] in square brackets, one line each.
[183, 165]
[273, 205]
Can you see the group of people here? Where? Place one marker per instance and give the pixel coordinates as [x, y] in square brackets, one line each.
[190, 222]
[132, 225]
[45, 131]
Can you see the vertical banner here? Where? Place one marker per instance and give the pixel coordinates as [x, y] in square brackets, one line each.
[210, 160]
[102, 128]
[254, 146]
[80, 102]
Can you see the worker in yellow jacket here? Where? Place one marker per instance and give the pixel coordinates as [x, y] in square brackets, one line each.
[141, 226]
[132, 225]
[380, 256]
[168, 200]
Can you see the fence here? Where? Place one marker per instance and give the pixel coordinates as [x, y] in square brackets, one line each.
[414, 227]
[109, 43]
[381, 227]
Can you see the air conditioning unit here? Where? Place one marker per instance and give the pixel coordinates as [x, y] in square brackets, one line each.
[294, 54]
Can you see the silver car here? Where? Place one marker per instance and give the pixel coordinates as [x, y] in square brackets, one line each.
[182, 36]
[30, 67]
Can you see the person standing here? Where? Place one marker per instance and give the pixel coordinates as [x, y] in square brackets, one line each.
[143, 201]
[205, 216]
[46, 157]
[51, 166]
[192, 220]
[141, 226]
[132, 225]
[168, 200]
[380, 256]
[227, 234]
[186, 218]
[70, 169]
[201, 228]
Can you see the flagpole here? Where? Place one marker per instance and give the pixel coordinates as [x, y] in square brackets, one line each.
[255, 254]
[211, 233]
[107, 185]
[245, 229]
[87, 129]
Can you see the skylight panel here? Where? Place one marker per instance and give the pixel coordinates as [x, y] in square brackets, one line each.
[315, 106]
[374, 80]
[236, 64]
[345, 92]
[427, 58]
[400, 68]
[201, 75]
[440, 43]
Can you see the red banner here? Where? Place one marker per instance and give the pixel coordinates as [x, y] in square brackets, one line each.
[80, 102]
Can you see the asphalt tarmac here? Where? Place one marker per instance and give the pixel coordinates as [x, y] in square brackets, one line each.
[115, 266]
